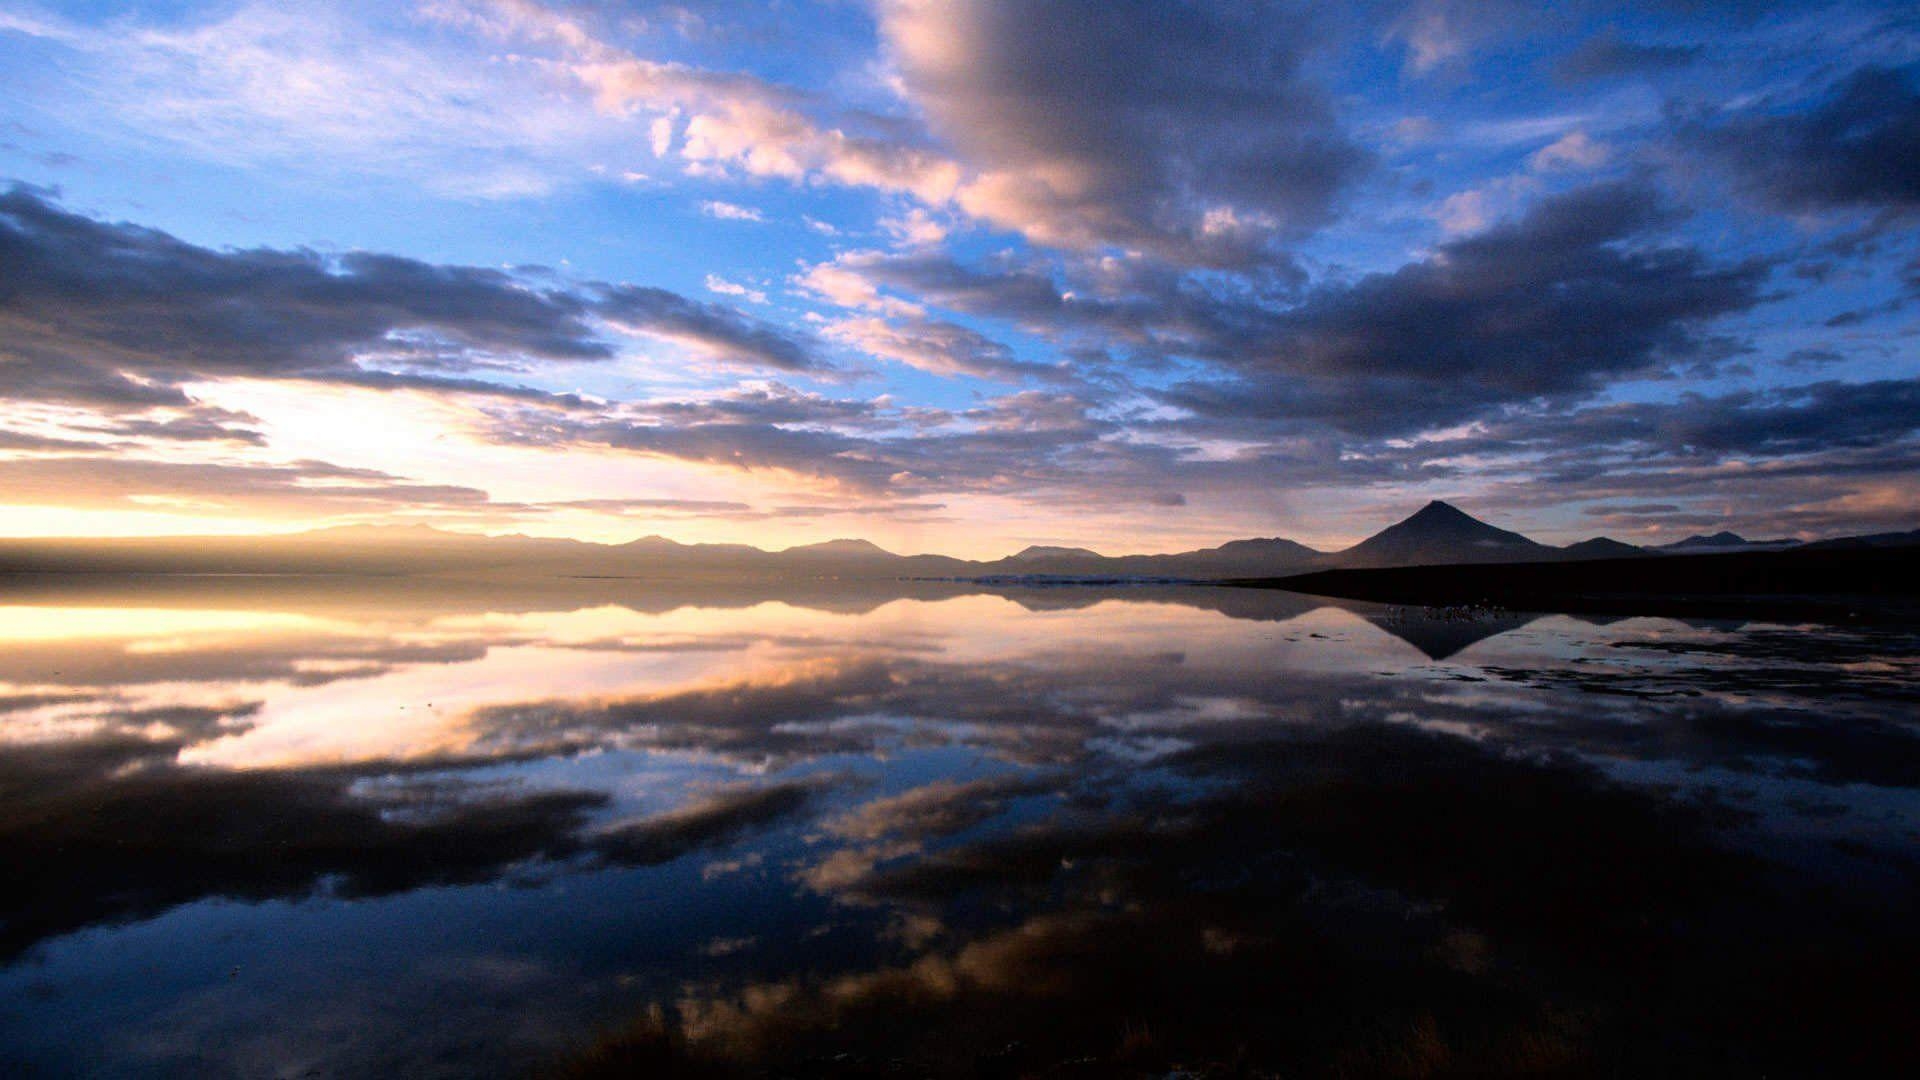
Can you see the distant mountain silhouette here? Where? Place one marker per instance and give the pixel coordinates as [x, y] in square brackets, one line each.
[1910, 538]
[1722, 541]
[1041, 553]
[1238, 558]
[1602, 547]
[843, 548]
[1441, 533]
[1438, 535]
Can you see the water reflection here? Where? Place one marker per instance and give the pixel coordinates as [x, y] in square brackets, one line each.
[276, 827]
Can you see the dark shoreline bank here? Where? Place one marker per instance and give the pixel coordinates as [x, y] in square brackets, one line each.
[1832, 586]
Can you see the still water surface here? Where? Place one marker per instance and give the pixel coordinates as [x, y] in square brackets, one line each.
[279, 828]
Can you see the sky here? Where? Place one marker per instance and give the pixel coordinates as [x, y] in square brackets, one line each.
[1136, 275]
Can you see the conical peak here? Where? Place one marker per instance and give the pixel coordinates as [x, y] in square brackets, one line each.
[1442, 516]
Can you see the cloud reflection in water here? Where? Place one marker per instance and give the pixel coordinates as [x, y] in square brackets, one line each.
[962, 831]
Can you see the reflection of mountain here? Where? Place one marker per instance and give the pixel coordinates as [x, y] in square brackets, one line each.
[419, 599]
[1820, 584]
[1440, 636]
[118, 828]
[1338, 902]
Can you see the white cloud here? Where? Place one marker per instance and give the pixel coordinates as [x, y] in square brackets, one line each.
[1571, 152]
[718, 284]
[916, 228]
[727, 211]
[319, 86]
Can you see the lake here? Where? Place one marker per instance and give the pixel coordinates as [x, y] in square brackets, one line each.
[295, 827]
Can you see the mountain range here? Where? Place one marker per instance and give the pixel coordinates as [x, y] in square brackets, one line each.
[1438, 534]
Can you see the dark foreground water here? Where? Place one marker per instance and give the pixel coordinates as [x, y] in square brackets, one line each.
[286, 829]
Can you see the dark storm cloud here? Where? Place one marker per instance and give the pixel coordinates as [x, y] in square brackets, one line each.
[1858, 147]
[1841, 492]
[940, 347]
[113, 315]
[1103, 314]
[1187, 130]
[716, 330]
[1607, 55]
[1791, 420]
[855, 445]
[1702, 429]
[1577, 293]
[1552, 306]
[1818, 459]
[1043, 446]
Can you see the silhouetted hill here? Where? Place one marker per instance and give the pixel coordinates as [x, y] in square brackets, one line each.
[1440, 533]
[1603, 547]
[843, 549]
[1721, 541]
[1041, 552]
[1910, 538]
[1237, 558]
[1839, 585]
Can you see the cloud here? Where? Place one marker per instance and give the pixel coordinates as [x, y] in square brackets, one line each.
[306, 488]
[1572, 151]
[1858, 147]
[705, 822]
[651, 506]
[938, 346]
[938, 809]
[118, 848]
[727, 211]
[1609, 56]
[116, 316]
[1443, 35]
[1554, 305]
[271, 84]
[718, 284]
[717, 122]
[716, 331]
[1317, 873]
[1787, 420]
[1088, 126]
[1816, 459]
[1099, 124]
